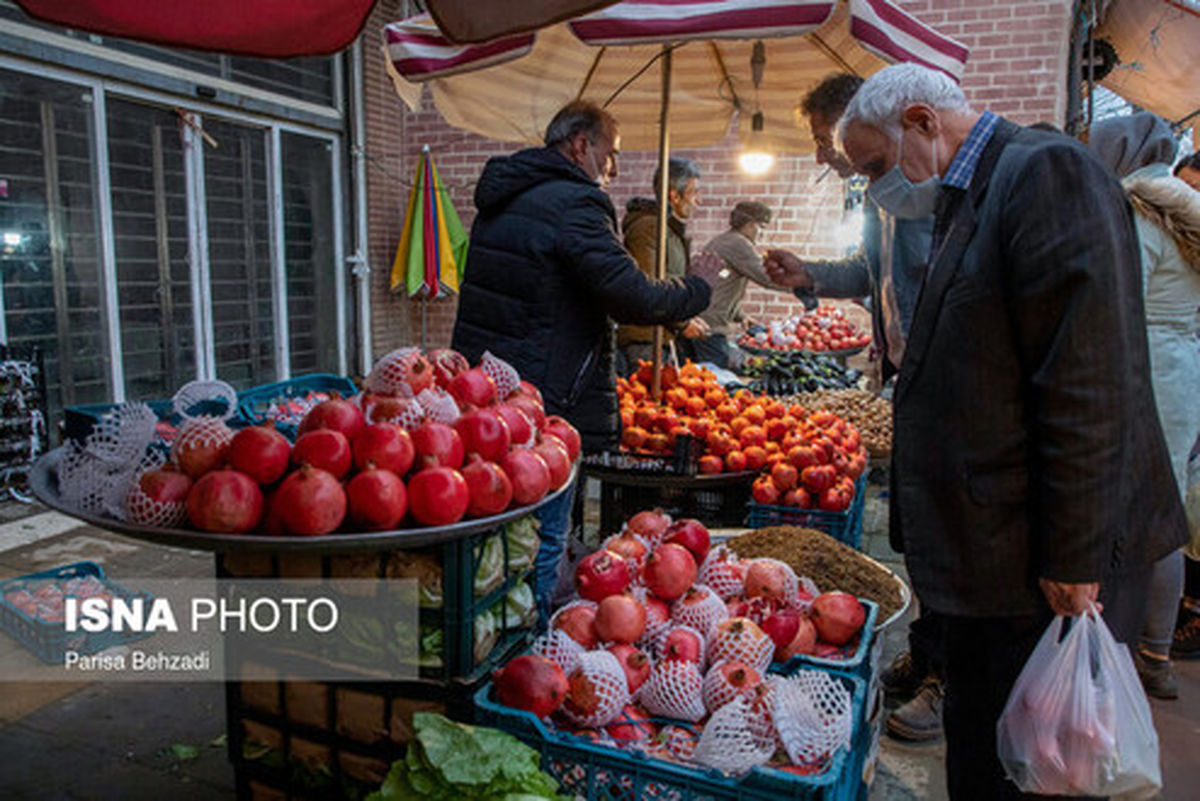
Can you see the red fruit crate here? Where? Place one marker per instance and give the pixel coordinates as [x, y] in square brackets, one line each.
[845, 527]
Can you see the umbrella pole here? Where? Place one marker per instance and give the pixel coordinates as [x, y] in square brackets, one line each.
[424, 309]
[660, 256]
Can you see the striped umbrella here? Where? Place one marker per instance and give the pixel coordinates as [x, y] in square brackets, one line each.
[433, 246]
[509, 88]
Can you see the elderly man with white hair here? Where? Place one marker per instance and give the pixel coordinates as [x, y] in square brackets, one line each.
[1029, 474]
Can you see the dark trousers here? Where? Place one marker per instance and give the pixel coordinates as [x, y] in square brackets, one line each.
[925, 643]
[983, 658]
[1191, 577]
[713, 349]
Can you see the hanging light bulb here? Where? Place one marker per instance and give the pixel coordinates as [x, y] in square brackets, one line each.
[756, 159]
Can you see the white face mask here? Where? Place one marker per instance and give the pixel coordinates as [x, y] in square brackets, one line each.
[900, 197]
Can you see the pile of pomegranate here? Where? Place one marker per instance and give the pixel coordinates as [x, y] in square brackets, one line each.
[823, 329]
[432, 440]
[807, 460]
[667, 627]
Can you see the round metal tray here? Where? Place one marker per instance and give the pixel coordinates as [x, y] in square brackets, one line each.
[43, 478]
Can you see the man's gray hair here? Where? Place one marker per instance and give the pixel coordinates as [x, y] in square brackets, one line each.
[579, 116]
[679, 172]
[882, 99]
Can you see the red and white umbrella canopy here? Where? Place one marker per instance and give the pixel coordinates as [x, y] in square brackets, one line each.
[509, 88]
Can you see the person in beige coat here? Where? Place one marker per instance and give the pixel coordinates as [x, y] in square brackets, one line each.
[1139, 149]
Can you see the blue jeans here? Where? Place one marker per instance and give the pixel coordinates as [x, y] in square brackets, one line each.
[555, 519]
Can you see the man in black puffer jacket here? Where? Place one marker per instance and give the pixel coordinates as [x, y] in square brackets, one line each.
[547, 275]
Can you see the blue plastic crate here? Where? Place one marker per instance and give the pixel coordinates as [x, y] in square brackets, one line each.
[599, 773]
[255, 404]
[845, 527]
[857, 660]
[50, 641]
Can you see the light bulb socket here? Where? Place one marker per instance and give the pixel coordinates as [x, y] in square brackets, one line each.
[756, 122]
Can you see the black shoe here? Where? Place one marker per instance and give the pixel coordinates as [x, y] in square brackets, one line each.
[903, 677]
[1186, 644]
[1157, 675]
[920, 720]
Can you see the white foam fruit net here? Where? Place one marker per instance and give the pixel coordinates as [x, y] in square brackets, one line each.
[558, 615]
[95, 478]
[389, 375]
[722, 572]
[637, 537]
[674, 690]
[813, 715]
[604, 690]
[216, 398]
[660, 646]
[140, 508]
[700, 608]
[728, 743]
[791, 584]
[808, 586]
[503, 375]
[718, 691]
[557, 645]
[438, 405]
[741, 640]
[655, 628]
[202, 432]
[404, 412]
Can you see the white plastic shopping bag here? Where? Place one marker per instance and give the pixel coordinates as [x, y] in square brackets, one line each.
[1077, 721]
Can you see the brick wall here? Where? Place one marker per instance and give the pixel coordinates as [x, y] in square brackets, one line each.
[1017, 68]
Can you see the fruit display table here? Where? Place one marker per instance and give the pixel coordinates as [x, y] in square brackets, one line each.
[331, 739]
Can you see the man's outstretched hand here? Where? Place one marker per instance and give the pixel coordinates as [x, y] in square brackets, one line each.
[785, 269]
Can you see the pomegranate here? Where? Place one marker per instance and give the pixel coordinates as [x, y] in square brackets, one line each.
[472, 388]
[838, 617]
[805, 641]
[272, 521]
[376, 499]
[627, 545]
[560, 428]
[635, 664]
[520, 427]
[483, 431]
[159, 499]
[531, 408]
[324, 448]
[601, 574]
[632, 724]
[727, 680]
[757, 609]
[437, 445]
[620, 618]
[596, 690]
[410, 367]
[700, 608]
[782, 627]
[579, 622]
[260, 452]
[740, 638]
[387, 446]
[669, 571]
[404, 412]
[488, 488]
[225, 502]
[674, 690]
[766, 578]
[446, 364]
[310, 502]
[525, 389]
[723, 573]
[529, 475]
[650, 526]
[438, 496]
[683, 643]
[554, 454]
[533, 683]
[201, 446]
[691, 534]
[340, 415]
